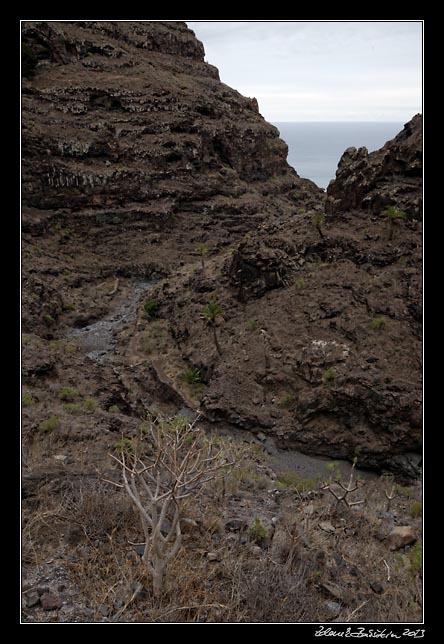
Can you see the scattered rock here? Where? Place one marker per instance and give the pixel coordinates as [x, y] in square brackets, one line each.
[140, 549]
[333, 589]
[236, 525]
[333, 608]
[50, 601]
[32, 598]
[377, 587]
[327, 526]
[261, 436]
[187, 414]
[401, 536]
[214, 556]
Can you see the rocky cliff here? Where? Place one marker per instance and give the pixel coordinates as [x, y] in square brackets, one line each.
[391, 176]
[146, 179]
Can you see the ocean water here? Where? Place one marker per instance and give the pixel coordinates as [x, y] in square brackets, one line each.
[314, 148]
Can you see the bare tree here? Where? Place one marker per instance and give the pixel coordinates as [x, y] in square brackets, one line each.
[210, 314]
[169, 463]
[390, 495]
[341, 491]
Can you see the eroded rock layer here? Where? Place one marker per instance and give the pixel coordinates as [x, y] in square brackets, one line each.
[146, 179]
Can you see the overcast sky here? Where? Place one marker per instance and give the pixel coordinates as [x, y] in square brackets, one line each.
[320, 71]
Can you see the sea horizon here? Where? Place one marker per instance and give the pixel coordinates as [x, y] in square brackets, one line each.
[315, 147]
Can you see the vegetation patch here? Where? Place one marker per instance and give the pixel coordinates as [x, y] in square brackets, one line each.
[27, 399]
[191, 376]
[415, 557]
[49, 425]
[377, 324]
[290, 479]
[90, 404]
[257, 531]
[72, 408]
[286, 401]
[124, 445]
[151, 308]
[416, 509]
[69, 394]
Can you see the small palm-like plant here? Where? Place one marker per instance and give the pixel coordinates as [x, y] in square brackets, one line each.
[191, 375]
[318, 222]
[392, 214]
[203, 251]
[210, 314]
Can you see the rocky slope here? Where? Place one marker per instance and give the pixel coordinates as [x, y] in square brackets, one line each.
[173, 262]
[389, 176]
[146, 178]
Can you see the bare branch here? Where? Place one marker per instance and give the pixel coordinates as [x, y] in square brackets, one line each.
[157, 475]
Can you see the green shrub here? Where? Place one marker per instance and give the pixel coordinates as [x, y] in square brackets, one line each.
[69, 394]
[335, 471]
[49, 425]
[286, 401]
[70, 348]
[300, 283]
[257, 531]
[90, 404]
[27, 399]
[202, 250]
[329, 375]
[29, 62]
[114, 409]
[49, 319]
[124, 445]
[211, 311]
[416, 509]
[290, 479]
[72, 408]
[252, 325]
[377, 324]
[191, 376]
[415, 557]
[25, 340]
[151, 308]
[392, 212]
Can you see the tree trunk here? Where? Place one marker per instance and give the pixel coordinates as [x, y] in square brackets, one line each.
[158, 572]
[390, 236]
[216, 341]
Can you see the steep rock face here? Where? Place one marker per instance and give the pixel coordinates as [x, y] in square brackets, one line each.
[127, 119]
[386, 177]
